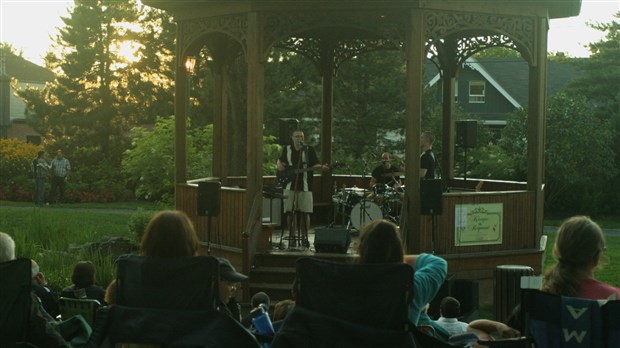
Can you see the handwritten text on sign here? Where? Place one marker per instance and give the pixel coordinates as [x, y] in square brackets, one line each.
[478, 224]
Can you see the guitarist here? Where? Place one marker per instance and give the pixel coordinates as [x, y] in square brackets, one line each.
[299, 160]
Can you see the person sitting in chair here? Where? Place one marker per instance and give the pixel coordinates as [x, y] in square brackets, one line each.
[229, 279]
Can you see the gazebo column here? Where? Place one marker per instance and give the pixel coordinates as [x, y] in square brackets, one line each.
[415, 54]
[448, 129]
[255, 89]
[180, 117]
[536, 121]
[220, 121]
[327, 112]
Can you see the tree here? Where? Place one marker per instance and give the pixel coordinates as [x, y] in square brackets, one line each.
[599, 86]
[578, 160]
[111, 75]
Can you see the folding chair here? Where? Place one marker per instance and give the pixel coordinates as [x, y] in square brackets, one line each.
[15, 301]
[349, 305]
[561, 321]
[70, 307]
[168, 283]
[170, 302]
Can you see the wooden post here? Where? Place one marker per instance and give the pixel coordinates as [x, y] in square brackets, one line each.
[536, 122]
[180, 115]
[327, 107]
[220, 120]
[414, 47]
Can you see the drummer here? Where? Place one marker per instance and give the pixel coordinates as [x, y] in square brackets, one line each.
[387, 173]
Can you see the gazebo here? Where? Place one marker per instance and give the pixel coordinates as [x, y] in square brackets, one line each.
[329, 32]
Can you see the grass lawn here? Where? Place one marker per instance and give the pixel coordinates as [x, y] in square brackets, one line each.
[46, 235]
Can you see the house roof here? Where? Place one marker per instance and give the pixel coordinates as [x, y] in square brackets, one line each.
[512, 75]
[25, 71]
[509, 75]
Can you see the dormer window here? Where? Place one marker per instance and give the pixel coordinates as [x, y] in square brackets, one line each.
[476, 91]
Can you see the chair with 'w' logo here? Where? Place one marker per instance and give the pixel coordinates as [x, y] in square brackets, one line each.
[562, 322]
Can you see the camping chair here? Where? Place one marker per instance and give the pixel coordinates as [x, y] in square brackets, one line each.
[168, 302]
[561, 321]
[349, 305]
[70, 307]
[15, 301]
[611, 323]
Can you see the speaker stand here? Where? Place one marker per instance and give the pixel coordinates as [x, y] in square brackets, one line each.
[465, 165]
[433, 219]
[209, 235]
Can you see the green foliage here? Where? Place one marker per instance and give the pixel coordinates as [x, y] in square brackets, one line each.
[579, 163]
[137, 224]
[16, 159]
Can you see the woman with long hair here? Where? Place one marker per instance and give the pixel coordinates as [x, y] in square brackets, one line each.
[579, 245]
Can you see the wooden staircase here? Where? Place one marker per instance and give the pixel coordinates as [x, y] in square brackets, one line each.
[274, 272]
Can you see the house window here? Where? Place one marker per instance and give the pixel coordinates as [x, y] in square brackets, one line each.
[476, 91]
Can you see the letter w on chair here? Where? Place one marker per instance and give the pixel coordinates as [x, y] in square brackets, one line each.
[561, 321]
[346, 305]
[168, 302]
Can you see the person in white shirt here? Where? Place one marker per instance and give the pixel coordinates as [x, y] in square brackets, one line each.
[450, 310]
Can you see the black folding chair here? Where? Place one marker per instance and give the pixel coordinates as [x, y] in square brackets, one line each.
[170, 302]
[611, 324]
[349, 305]
[15, 301]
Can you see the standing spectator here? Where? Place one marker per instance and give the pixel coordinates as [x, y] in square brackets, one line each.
[449, 311]
[60, 175]
[49, 299]
[84, 280]
[40, 169]
[39, 331]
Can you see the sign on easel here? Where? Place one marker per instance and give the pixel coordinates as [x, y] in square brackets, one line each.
[478, 224]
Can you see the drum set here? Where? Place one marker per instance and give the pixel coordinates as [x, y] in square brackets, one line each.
[356, 206]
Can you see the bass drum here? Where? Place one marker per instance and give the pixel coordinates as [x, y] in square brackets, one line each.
[364, 212]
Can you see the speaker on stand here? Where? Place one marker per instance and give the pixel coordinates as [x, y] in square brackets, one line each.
[208, 204]
[431, 202]
[286, 128]
[466, 137]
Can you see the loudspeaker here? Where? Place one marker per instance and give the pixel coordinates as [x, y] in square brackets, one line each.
[287, 126]
[431, 197]
[331, 240]
[466, 133]
[209, 198]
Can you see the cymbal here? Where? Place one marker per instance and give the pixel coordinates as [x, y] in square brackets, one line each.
[355, 189]
[386, 175]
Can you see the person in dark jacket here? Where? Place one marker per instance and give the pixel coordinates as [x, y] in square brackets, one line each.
[84, 280]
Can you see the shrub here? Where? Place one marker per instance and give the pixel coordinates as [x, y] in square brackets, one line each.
[137, 224]
[16, 159]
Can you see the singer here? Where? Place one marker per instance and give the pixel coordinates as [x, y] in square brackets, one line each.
[297, 163]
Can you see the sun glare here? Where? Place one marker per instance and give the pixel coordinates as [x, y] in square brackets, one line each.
[127, 51]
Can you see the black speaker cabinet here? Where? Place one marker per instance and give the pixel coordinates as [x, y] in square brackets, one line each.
[209, 198]
[287, 126]
[467, 133]
[431, 196]
[331, 240]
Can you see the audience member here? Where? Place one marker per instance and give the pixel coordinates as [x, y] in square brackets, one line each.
[168, 234]
[84, 280]
[380, 243]
[229, 279]
[49, 298]
[449, 312]
[256, 300]
[39, 331]
[281, 309]
[579, 245]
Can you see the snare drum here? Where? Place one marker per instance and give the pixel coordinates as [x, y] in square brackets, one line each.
[365, 212]
[353, 195]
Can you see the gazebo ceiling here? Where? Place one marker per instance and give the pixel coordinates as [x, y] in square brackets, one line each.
[184, 9]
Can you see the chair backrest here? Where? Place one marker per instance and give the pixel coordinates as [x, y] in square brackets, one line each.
[73, 306]
[376, 295]
[611, 323]
[15, 300]
[181, 283]
[561, 321]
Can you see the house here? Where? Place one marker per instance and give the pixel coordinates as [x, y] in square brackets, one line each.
[492, 88]
[16, 70]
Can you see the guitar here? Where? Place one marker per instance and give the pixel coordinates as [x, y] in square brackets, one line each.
[289, 172]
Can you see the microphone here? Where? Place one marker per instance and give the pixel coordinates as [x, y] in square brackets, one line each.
[302, 144]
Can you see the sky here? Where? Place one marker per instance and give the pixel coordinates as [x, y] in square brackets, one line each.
[28, 25]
